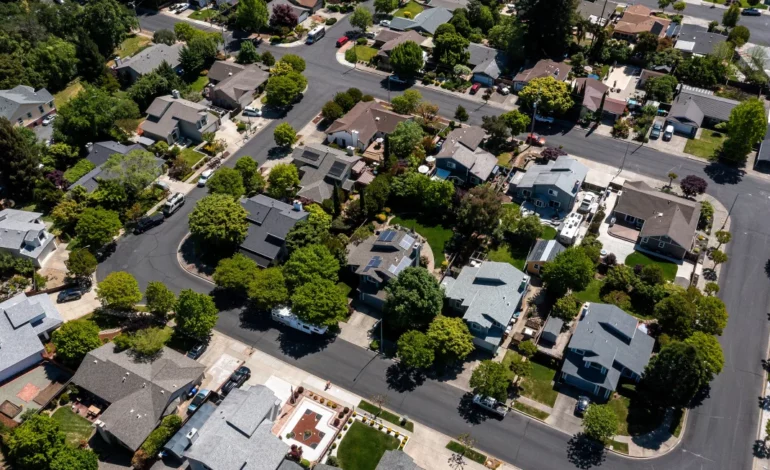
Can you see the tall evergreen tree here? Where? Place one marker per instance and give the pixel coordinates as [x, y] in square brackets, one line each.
[549, 25]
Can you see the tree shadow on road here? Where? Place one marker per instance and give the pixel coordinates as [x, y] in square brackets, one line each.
[404, 379]
[225, 299]
[297, 344]
[723, 174]
[470, 412]
[701, 396]
[584, 452]
[254, 320]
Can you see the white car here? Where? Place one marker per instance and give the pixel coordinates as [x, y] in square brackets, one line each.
[585, 204]
[490, 404]
[251, 111]
[385, 23]
[204, 178]
[182, 8]
[49, 119]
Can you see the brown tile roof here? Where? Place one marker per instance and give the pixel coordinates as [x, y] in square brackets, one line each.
[638, 10]
[637, 19]
[402, 38]
[593, 90]
[367, 118]
[544, 68]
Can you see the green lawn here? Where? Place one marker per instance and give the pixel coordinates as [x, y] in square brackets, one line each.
[534, 412]
[344, 288]
[505, 253]
[549, 233]
[436, 235]
[633, 417]
[200, 83]
[365, 53]
[75, 427]
[538, 385]
[413, 7]
[75, 87]
[760, 6]
[707, 145]
[591, 293]
[363, 447]
[620, 406]
[621, 447]
[191, 156]
[669, 268]
[386, 415]
[504, 159]
[203, 15]
[132, 46]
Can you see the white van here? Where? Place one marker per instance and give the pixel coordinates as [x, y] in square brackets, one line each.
[173, 204]
[668, 133]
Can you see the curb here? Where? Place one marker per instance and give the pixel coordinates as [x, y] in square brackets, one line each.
[179, 261]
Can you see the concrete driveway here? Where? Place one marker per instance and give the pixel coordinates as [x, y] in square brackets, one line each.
[621, 248]
[563, 416]
[358, 328]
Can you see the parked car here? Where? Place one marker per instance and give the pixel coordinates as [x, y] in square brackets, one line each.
[385, 23]
[200, 398]
[535, 139]
[148, 222]
[490, 404]
[751, 12]
[196, 351]
[475, 88]
[173, 204]
[585, 204]
[503, 90]
[583, 402]
[182, 7]
[49, 119]
[668, 133]
[547, 119]
[237, 379]
[104, 252]
[396, 79]
[252, 111]
[68, 295]
[342, 41]
[204, 178]
[656, 129]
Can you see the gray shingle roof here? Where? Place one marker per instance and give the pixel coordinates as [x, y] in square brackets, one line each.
[165, 111]
[139, 391]
[686, 111]
[490, 293]
[20, 231]
[245, 82]
[711, 106]
[269, 223]
[552, 329]
[428, 20]
[598, 9]
[396, 460]
[487, 60]
[566, 174]
[545, 250]
[22, 319]
[382, 256]
[322, 168]
[179, 442]
[544, 68]
[703, 42]
[368, 118]
[150, 59]
[238, 434]
[221, 70]
[15, 101]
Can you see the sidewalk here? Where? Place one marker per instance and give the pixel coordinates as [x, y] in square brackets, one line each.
[426, 446]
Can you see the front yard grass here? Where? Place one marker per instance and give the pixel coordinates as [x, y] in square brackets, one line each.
[549, 233]
[471, 454]
[75, 427]
[412, 7]
[539, 384]
[504, 159]
[365, 53]
[591, 293]
[132, 46]
[534, 412]
[707, 145]
[61, 98]
[436, 235]
[386, 415]
[191, 156]
[633, 417]
[203, 15]
[669, 268]
[363, 447]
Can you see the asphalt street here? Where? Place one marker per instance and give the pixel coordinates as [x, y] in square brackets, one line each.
[720, 431]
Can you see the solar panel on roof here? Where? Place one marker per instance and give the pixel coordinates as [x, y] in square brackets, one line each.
[406, 242]
[387, 236]
[375, 262]
[310, 155]
[337, 169]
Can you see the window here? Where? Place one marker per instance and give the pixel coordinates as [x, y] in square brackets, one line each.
[553, 192]
[29, 115]
[451, 165]
[539, 203]
[554, 204]
[644, 239]
[526, 192]
[536, 266]
[40, 108]
[21, 121]
[661, 244]
[50, 104]
[595, 365]
[630, 218]
[579, 352]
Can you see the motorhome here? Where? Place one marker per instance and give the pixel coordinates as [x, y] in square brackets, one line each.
[569, 231]
[283, 315]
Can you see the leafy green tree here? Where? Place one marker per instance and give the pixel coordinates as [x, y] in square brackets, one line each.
[149, 341]
[549, 25]
[119, 290]
[159, 82]
[60, 156]
[480, 210]
[235, 273]
[451, 49]
[452, 338]
[160, 299]
[460, 22]
[268, 289]
[68, 458]
[251, 15]
[566, 308]
[528, 228]
[345, 101]
[54, 63]
[746, 127]
[97, 226]
[74, 340]
[461, 114]
[704, 72]
[135, 170]
[198, 54]
[164, 36]
[248, 53]
[405, 138]
[20, 161]
[710, 352]
[600, 422]
[283, 181]
[253, 181]
[739, 35]
[218, 220]
[81, 263]
[385, 6]
[310, 262]
[676, 315]
[375, 196]
[284, 135]
[196, 314]
[480, 16]
[283, 90]
[620, 277]
[414, 299]
[516, 121]
[491, 379]
[674, 376]
[296, 62]
[731, 16]
[319, 302]
[572, 270]
[313, 230]
[107, 23]
[226, 181]
[361, 18]
[34, 444]
[661, 88]
[527, 348]
[332, 111]
[415, 350]
[553, 97]
[406, 59]
[509, 36]
[406, 103]
[711, 315]
[652, 275]
[91, 116]
[498, 131]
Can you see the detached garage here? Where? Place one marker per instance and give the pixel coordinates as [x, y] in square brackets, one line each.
[686, 118]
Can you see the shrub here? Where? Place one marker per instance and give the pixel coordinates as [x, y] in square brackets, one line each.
[350, 55]
[345, 428]
[374, 345]
[407, 14]
[275, 38]
[330, 21]
[381, 218]
[64, 398]
[367, 98]
[611, 259]
[334, 445]
[618, 298]
[241, 126]
[362, 41]
[332, 461]
[621, 129]
[527, 348]
[305, 463]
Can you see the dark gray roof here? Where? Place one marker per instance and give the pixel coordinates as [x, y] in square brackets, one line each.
[269, 223]
[711, 106]
[245, 82]
[462, 146]
[321, 168]
[22, 319]
[487, 60]
[238, 435]
[428, 20]
[165, 112]
[450, 5]
[566, 174]
[179, 442]
[139, 390]
[291, 465]
[469, 136]
[699, 42]
[382, 256]
[396, 460]
[545, 250]
[597, 9]
[552, 329]
[99, 153]
[150, 59]
[221, 70]
[489, 293]
[686, 111]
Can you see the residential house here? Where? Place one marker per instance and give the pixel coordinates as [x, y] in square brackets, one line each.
[646, 75]
[487, 295]
[693, 108]
[462, 161]
[23, 234]
[543, 68]
[362, 124]
[25, 326]
[138, 392]
[554, 184]
[666, 223]
[237, 89]
[596, 98]
[762, 162]
[450, 5]
[487, 63]
[380, 258]
[694, 40]
[395, 460]
[299, 10]
[597, 12]
[24, 106]
[170, 118]
[238, 434]
[426, 21]
[541, 253]
[269, 223]
[390, 39]
[551, 331]
[607, 344]
[146, 61]
[639, 19]
[98, 154]
[321, 169]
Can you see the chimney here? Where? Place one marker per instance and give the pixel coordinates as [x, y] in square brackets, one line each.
[192, 436]
[89, 146]
[297, 206]
[175, 94]
[118, 61]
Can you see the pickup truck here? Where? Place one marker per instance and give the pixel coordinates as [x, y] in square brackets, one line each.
[490, 404]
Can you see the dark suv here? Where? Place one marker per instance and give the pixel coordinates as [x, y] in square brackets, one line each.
[146, 223]
[237, 379]
[196, 351]
[68, 295]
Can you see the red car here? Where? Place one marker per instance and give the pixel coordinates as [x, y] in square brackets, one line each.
[475, 88]
[342, 41]
[534, 139]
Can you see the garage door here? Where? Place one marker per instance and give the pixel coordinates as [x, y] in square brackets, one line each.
[680, 128]
[580, 383]
[483, 79]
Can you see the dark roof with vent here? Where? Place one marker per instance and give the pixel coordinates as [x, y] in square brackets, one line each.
[269, 221]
